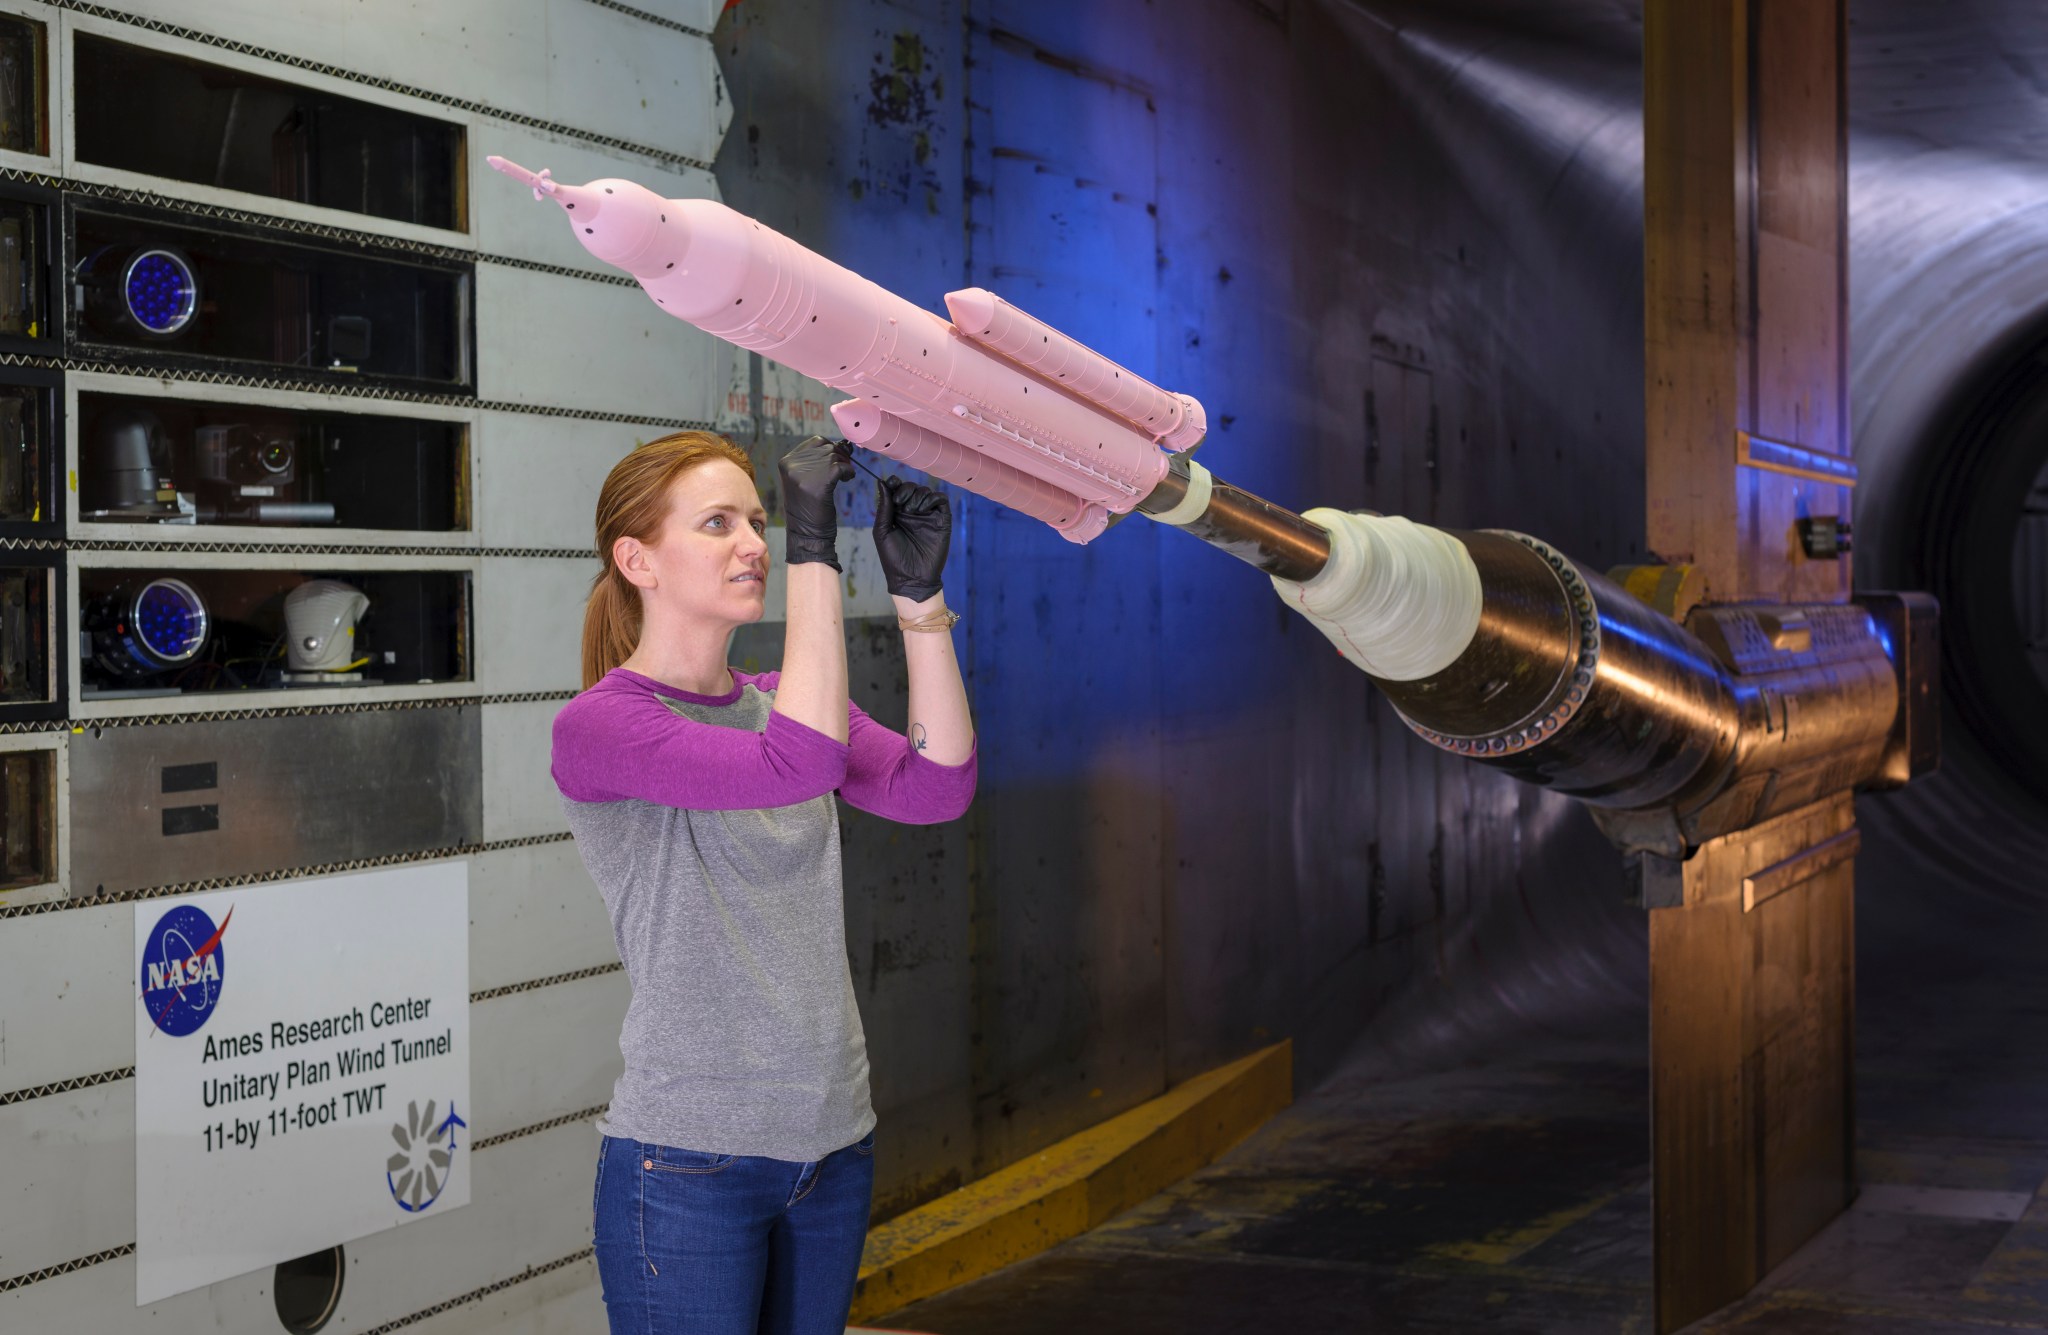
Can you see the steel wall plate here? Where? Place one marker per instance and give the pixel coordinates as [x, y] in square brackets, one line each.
[293, 790]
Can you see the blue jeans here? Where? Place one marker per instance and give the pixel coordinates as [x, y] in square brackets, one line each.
[722, 1244]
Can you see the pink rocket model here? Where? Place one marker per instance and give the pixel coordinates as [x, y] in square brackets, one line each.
[996, 402]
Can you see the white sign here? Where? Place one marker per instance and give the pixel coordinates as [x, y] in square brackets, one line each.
[301, 1069]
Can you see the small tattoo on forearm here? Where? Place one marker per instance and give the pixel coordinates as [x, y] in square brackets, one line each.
[917, 735]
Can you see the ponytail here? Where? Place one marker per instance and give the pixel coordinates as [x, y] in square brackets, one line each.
[633, 503]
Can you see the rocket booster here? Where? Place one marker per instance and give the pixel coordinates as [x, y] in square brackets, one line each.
[995, 401]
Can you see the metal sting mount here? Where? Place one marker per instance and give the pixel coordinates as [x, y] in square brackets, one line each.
[1674, 733]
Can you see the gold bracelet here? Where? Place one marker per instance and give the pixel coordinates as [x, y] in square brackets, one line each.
[943, 619]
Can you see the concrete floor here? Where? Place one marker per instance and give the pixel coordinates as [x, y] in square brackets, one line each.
[1510, 1192]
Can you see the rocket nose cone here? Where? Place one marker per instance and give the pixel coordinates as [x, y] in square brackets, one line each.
[973, 309]
[617, 221]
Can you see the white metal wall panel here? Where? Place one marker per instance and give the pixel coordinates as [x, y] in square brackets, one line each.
[564, 342]
[100, 1300]
[536, 478]
[546, 1053]
[568, 1301]
[567, 62]
[67, 1177]
[519, 794]
[534, 912]
[661, 88]
[529, 1206]
[529, 623]
[65, 998]
[505, 218]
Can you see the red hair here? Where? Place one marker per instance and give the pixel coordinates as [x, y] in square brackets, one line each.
[633, 503]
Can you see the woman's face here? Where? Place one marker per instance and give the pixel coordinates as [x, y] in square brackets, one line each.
[710, 560]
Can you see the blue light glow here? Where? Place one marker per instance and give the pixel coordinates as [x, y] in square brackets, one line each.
[170, 621]
[1674, 650]
[160, 292]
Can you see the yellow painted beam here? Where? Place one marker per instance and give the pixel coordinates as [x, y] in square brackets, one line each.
[1069, 1188]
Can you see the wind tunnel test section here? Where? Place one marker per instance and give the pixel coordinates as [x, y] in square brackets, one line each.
[1675, 724]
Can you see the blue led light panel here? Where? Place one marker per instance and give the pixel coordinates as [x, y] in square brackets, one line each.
[169, 621]
[160, 292]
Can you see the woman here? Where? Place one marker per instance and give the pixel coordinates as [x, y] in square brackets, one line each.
[736, 1168]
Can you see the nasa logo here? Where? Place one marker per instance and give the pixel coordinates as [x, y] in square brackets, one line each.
[183, 967]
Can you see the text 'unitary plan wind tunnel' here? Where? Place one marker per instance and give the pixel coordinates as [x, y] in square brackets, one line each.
[1490, 644]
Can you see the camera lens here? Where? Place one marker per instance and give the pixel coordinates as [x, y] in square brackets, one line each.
[275, 456]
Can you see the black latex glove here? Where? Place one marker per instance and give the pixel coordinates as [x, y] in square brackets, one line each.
[810, 473]
[913, 529]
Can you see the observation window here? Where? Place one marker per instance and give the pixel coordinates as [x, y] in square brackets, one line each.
[151, 632]
[179, 461]
[165, 115]
[28, 453]
[158, 287]
[28, 818]
[23, 85]
[27, 667]
[26, 250]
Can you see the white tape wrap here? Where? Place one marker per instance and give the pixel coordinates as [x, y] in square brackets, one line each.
[1401, 600]
[1194, 502]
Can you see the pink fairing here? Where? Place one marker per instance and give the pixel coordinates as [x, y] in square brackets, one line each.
[1022, 437]
[1174, 420]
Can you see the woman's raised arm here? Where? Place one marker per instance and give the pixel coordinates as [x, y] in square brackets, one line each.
[813, 687]
[913, 532]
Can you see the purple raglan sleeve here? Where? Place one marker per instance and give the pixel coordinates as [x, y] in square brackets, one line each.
[888, 776]
[613, 745]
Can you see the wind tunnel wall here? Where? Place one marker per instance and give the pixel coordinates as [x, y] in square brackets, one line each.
[1949, 369]
[1399, 278]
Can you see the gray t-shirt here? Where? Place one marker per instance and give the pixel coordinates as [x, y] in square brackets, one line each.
[743, 1036]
